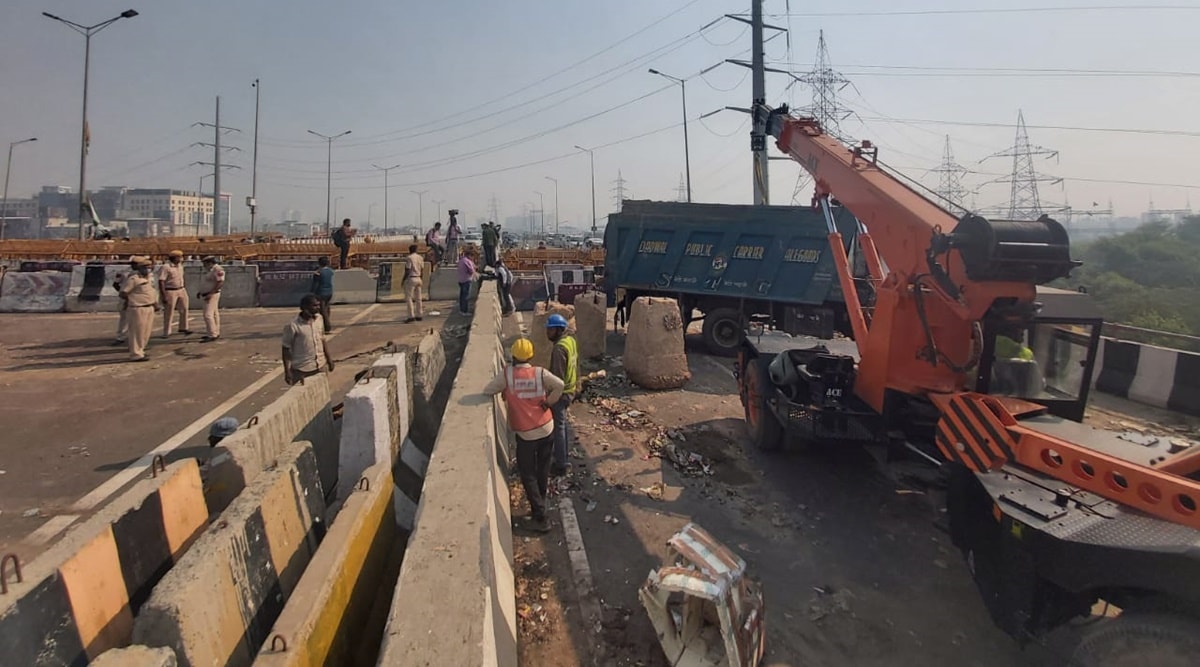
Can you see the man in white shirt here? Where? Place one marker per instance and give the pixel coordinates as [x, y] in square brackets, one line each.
[305, 352]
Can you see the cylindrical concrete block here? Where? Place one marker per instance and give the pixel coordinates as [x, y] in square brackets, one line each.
[591, 317]
[654, 355]
[542, 347]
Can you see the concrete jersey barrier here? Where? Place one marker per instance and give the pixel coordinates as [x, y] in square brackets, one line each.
[79, 598]
[302, 413]
[218, 603]
[1148, 374]
[353, 286]
[34, 292]
[455, 602]
[91, 288]
[239, 291]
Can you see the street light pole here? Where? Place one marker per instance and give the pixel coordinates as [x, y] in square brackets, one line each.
[7, 173]
[541, 211]
[437, 208]
[592, 158]
[329, 174]
[253, 203]
[687, 160]
[369, 210]
[336, 201]
[87, 31]
[385, 171]
[420, 208]
[555, 180]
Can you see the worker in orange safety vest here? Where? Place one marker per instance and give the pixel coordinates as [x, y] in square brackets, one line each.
[529, 391]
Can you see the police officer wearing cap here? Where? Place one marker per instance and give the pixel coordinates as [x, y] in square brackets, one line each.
[141, 303]
[210, 291]
[564, 363]
[529, 391]
[174, 294]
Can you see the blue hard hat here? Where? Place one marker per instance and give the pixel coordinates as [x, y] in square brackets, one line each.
[556, 321]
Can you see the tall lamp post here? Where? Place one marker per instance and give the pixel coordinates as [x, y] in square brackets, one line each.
[687, 160]
[329, 174]
[87, 31]
[252, 201]
[555, 181]
[420, 208]
[541, 211]
[7, 173]
[592, 158]
[385, 171]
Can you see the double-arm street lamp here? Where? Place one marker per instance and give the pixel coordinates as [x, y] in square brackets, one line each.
[329, 174]
[687, 161]
[7, 173]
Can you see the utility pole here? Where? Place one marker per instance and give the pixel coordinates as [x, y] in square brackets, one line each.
[541, 211]
[592, 158]
[385, 171]
[252, 201]
[494, 209]
[618, 190]
[687, 159]
[555, 181]
[218, 129]
[7, 173]
[950, 173]
[328, 173]
[1025, 203]
[420, 208]
[758, 133]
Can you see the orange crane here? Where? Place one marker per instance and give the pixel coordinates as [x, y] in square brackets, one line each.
[961, 355]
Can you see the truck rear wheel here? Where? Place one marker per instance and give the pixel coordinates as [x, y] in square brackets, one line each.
[724, 331]
[764, 427]
[1138, 638]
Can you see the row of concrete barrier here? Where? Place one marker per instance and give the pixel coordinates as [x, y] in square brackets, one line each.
[89, 287]
[302, 545]
[1157, 376]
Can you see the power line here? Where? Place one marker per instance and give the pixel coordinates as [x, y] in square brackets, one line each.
[998, 10]
[1119, 130]
[923, 70]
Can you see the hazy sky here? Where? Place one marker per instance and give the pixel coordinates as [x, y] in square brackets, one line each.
[456, 89]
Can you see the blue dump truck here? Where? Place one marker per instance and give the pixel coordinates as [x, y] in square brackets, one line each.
[732, 264]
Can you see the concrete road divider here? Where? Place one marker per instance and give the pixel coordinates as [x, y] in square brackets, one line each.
[396, 364]
[302, 413]
[428, 364]
[1158, 376]
[353, 286]
[325, 620]
[389, 283]
[91, 287]
[454, 602]
[370, 431]
[283, 288]
[443, 284]
[35, 292]
[137, 656]
[79, 599]
[219, 602]
[240, 289]
[591, 316]
[528, 289]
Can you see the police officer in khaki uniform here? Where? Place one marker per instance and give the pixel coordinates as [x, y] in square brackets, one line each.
[174, 295]
[210, 291]
[141, 303]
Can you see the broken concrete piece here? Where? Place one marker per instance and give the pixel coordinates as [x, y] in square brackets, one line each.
[591, 316]
[720, 620]
[654, 354]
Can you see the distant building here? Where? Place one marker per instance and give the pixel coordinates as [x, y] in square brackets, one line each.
[189, 213]
[19, 208]
[109, 202]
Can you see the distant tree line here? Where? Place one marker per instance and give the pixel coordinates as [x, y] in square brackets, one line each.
[1148, 278]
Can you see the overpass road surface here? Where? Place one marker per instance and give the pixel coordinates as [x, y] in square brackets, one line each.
[76, 419]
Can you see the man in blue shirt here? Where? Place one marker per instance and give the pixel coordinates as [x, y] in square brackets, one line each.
[322, 286]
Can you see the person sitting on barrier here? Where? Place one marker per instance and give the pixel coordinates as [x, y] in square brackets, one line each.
[322, 286]
[564, 363]
[305, 352]
[414, 269]
[529, 391]
[433, 239]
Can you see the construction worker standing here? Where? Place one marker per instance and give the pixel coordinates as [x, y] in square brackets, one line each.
[174, 295]
[141, 303]
[528, 393]
[210, 291]
[564, 363]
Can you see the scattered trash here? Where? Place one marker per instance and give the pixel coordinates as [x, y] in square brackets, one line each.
[909, 492]
[435, 313]
[29, 514]
[654, 491]
[576, 453]
[608, 518]
[721, 605]
[591, 506]
[941, 563]
[829, 602]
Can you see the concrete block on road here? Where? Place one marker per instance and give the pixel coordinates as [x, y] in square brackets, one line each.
[219, 602]
[284, 288]
[302, 413]
[428, 364]
[137, 656]
[591, 316]
[35, 292]
[409, 477]
[240, 289]
[442, 284]
[91, 289]
[370, 431]
[79, 598]
[353, 286]
[325, 620]
[396, 364]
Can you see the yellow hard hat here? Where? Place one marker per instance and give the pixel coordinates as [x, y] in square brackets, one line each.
[522, 349]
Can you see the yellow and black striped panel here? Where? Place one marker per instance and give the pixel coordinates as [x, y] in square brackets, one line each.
[969, 433]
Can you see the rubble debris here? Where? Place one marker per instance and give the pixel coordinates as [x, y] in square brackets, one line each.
[654, 491]
[829, 602]
[591, 319]
[721, 608]
[31, 513]
[608, 518]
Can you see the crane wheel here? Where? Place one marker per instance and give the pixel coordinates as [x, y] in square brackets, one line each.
[1140, 639]
[764, 427]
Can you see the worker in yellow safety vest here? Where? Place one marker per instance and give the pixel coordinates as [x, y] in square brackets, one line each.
[529, 391]
[564, 363]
